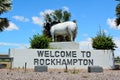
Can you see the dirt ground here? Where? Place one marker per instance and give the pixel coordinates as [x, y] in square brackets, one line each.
[21, 74]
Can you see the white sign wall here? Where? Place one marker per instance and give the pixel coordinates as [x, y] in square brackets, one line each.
[58, 58]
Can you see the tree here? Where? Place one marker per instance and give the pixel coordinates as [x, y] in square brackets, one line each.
[101, 41]
[56, 17]
[118, 14]
[5, 5]
[39, 42]
[61, 16]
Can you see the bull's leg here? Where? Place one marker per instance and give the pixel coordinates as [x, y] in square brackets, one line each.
[53, 37]
[71, 34]
[64, 37]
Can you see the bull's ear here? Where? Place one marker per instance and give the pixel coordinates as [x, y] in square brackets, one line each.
[74, 21]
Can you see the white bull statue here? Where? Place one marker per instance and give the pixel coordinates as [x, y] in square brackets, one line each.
[65, 28]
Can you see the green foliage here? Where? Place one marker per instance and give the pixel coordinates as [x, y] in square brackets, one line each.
[5, 5]
[118, 14]
[4, 23]
[118, 10]
[75, 71]
[61, 16]
[101, 41]
[58, 15]
[39, 42]
[85, 76]
[117, 21]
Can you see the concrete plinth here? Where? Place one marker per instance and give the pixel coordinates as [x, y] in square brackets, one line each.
[64, 45]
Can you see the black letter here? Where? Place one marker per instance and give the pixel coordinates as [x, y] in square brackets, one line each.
[69, 61]
[57, 55]
[64, 62]
[80, 60]
[74, 61]
[40, 53]
[36, 61]
[58, 61]
[41, 61]
[91, 62]
[85, 61]
[62, 53]
[47, 63]
[46, 53]
[83, 53]
[52, 61]
[68, 53]
[88, 53]
[51, 55]
[74, 54]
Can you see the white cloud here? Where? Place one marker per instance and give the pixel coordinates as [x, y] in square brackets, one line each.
[105, 31]
[85, 35]
[117, 42]
[17, 45]
[40, 19]
[48, 11]
[86, 44]
[65, 8]
[8, 44]
[11, 27]
[21, 18]
[37, 20]
[112, 24]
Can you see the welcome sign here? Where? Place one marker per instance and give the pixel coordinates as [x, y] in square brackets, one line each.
[63, 57]
[59, 58]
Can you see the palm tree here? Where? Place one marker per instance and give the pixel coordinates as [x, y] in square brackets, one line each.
[5, 5]
[118, 14]
[61, 16]
[4, 23]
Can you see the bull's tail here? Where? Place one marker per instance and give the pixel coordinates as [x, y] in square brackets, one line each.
[75, 31]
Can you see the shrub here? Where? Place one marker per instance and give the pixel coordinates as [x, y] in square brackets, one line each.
[101, 41]
[39, 42]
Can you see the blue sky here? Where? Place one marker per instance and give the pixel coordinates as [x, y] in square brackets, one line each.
[26, 18]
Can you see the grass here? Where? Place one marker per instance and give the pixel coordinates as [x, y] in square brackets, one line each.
[85, 76]
[75, 71]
